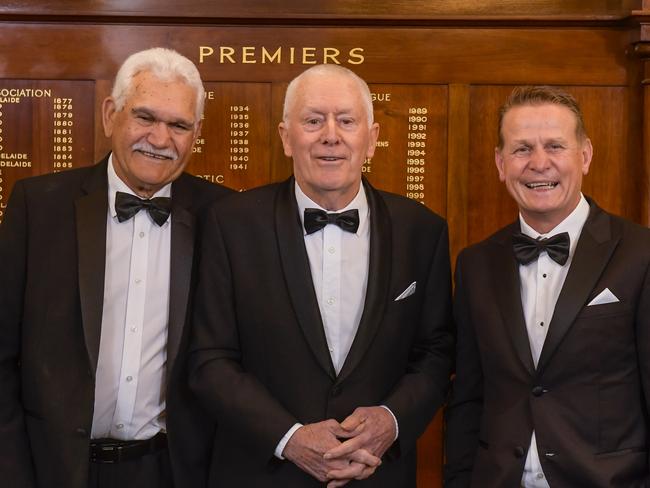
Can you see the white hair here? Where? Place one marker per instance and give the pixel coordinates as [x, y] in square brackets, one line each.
[164, 64]
[322, 70]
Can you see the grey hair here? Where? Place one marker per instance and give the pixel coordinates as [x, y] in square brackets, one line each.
[327, 69]
[164, 64]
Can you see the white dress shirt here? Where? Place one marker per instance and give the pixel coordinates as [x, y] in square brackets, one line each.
[338, 261]
[130, 378]
[541, 283]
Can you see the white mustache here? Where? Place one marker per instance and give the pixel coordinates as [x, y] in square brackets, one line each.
[146, 147]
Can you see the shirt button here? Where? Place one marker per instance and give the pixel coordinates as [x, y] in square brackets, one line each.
[544, 275]
[331, 250]
[542, 324]
[134, 329]
[120, 426]
[330, 301]
[141, 234]
[540, 476]
[129, 378]
[138, 280]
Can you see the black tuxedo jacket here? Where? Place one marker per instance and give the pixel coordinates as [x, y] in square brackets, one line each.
[52, 259]
[587, 399]
[260, 359]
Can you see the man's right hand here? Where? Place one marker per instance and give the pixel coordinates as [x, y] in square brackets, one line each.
[309, 443]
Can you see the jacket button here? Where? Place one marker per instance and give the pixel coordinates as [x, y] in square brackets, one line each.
[538, 391]
[519, 452]
[336, 391]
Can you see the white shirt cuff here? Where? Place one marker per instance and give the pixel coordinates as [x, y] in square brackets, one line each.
[394, 420]
[283, 442]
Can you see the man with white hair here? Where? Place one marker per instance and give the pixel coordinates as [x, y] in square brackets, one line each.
[94, 298]
[324, 350]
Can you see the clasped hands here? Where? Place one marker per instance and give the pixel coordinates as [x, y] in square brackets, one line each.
[338, 453]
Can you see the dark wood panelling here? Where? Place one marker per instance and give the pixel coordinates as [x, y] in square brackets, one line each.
[328, 9]
[457, 59]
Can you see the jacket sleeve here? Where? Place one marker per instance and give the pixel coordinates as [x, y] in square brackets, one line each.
[16, 468]
[423, 388]
[239, 400]
[463, 414]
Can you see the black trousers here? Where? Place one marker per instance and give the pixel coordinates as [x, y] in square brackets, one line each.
[149, 471]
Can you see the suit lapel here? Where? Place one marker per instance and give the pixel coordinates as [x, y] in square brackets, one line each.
[91, 211]
[381, 252]
[182, 255]
[593, 251]
[295, 265]
[507, 287]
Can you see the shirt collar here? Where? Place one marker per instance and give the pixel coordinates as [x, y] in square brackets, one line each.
[572, 224]
[359, 202]
[115, 184]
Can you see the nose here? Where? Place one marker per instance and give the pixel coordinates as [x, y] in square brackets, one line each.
[539, 161]
[330, 133]
[159, 134]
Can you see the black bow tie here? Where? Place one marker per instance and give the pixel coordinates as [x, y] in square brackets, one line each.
[316, 219]
[127, 205]
[527, 249]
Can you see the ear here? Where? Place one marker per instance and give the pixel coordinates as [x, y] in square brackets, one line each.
[108, 115]
[498, 159]
[587, 154]
[284, 135]
[374, 134]
[197, 129]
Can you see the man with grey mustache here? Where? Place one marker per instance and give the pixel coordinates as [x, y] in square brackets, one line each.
[94, 298]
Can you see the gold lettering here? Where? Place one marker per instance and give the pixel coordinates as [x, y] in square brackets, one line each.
[271, 58]
[226, 52]
[380, 97]
[209, 95]
[331, 54]
[204, 52]
[264, 55]
[248, 55]
[356, 54]
[308, 55]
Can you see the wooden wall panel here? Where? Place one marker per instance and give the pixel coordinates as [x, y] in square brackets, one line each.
[310, 10]
[456, 59]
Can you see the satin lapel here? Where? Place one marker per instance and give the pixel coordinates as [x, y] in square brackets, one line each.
[507, 287]
[381, 253]
[91, 210]
[295, 265]
[594, 249]
[180, 276]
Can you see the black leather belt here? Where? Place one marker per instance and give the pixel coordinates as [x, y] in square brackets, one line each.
[116, 451]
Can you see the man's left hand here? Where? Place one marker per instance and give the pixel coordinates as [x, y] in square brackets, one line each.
[369, 428]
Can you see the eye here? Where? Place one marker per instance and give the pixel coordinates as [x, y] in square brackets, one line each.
[346, 121]
[521, 150]
[312, 123]
[144, 118]
[180, 127]
[554, 147]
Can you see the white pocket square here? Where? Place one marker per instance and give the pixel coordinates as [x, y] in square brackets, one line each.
[605, 296]
[408, 292]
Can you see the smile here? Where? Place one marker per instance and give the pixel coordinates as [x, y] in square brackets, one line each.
[153, 155]
[542, 185]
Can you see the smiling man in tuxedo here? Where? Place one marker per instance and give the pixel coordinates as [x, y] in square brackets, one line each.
[553, 315]
[96, 271]
[322, 322]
